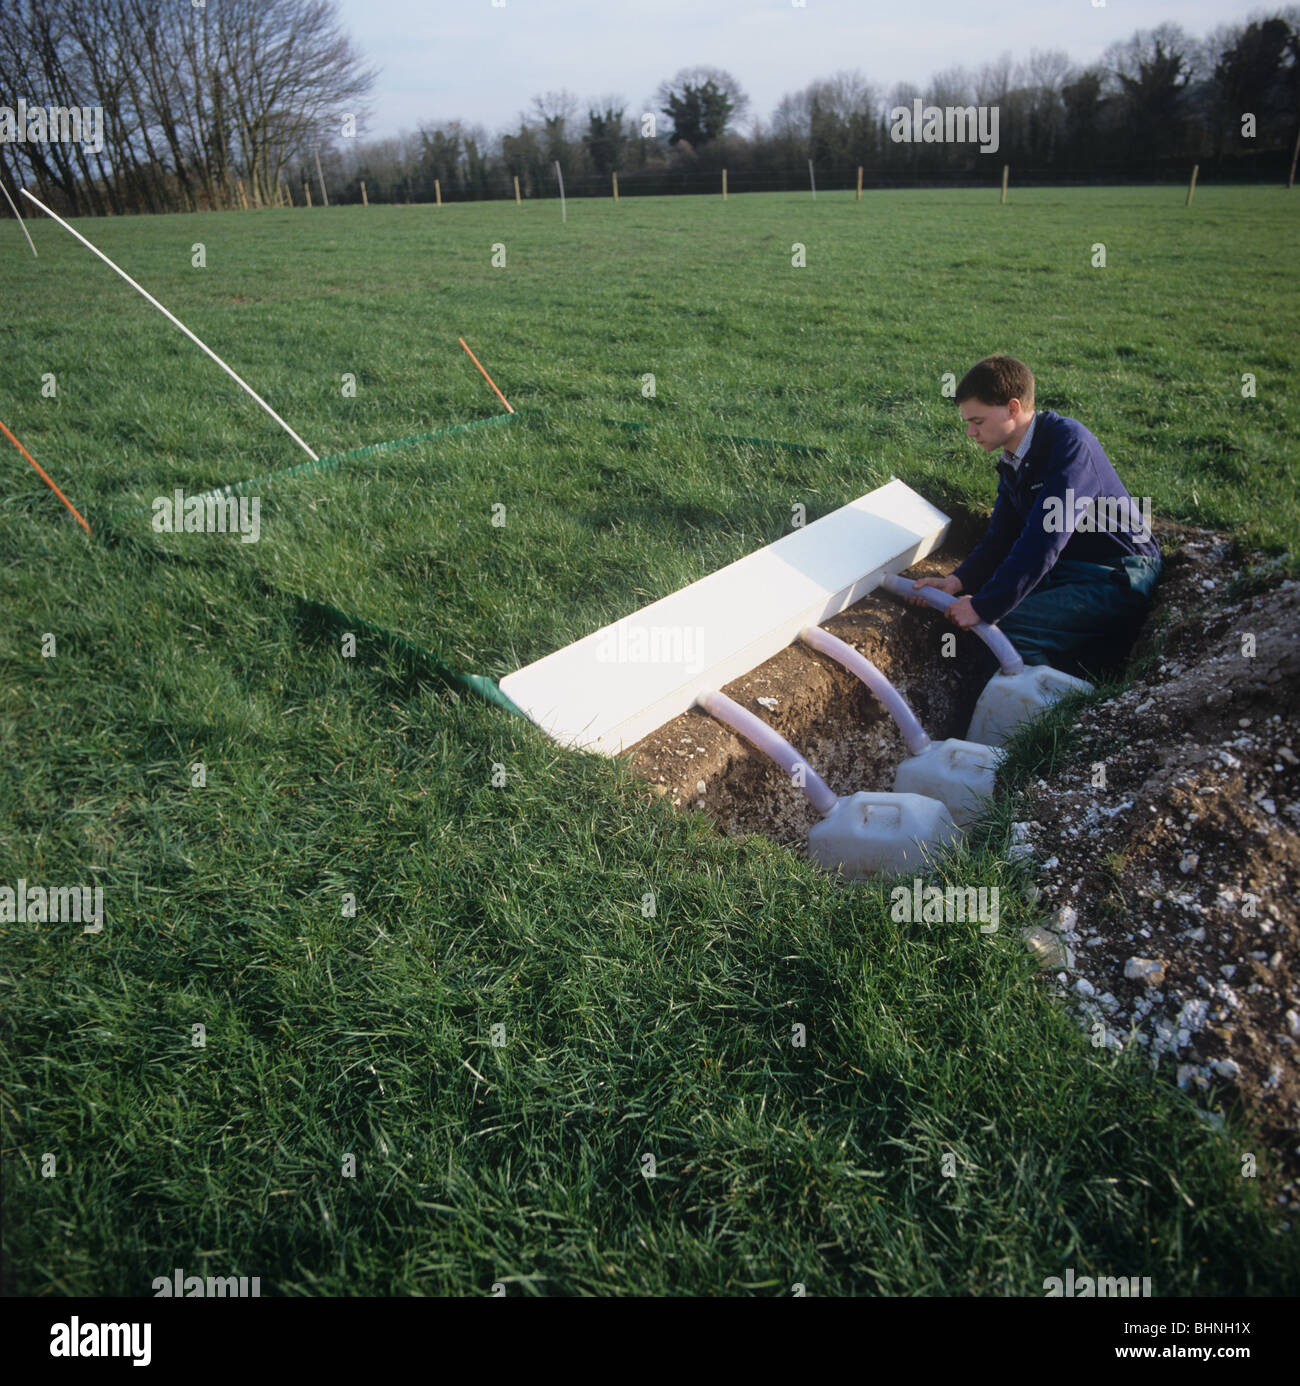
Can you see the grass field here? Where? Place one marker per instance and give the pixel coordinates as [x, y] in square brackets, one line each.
[521, 905]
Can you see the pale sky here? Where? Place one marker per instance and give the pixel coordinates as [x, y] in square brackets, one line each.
[483, 62]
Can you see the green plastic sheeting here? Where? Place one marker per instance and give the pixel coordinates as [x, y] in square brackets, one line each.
[339, 459]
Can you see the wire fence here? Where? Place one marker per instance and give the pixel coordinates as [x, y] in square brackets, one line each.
[1267, 167]
[308, 187]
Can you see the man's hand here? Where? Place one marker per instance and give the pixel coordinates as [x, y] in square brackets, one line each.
[962, 613]
[950, 585]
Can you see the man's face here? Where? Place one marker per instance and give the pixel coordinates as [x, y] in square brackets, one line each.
[991, 425]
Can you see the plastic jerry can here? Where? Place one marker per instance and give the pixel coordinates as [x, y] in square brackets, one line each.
[1011, 699]
[958, 773]
[868, 832]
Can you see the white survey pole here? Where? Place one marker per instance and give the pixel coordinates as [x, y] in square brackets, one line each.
[173, 319]
[564, 216]
[18, 216]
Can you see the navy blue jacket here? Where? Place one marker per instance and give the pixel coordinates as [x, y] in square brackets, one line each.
[1032, 525]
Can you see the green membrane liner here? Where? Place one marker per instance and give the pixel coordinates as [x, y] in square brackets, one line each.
[334, 619]
[336, 460]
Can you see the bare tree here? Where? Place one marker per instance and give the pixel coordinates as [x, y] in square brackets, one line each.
[555, 120]
[193, 98]
[791, 120]
[952, 87]
[292, 76]
[1043, 79]
[994, 81]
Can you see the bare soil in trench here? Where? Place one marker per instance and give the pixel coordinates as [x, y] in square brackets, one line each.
[1165, 853]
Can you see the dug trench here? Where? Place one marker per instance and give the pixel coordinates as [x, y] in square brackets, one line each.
[1163, 851]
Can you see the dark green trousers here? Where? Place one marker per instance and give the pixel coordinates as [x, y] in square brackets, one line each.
[1088, 611]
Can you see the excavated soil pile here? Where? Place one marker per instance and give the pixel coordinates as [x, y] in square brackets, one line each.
[1164, 848]
[1172, 884]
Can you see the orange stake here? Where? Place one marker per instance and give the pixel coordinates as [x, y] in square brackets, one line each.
[486, 376]
[45, 478]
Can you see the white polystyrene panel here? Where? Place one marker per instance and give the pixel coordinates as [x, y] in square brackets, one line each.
[615, 686]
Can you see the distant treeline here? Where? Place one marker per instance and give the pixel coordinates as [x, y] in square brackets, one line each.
[215, 107]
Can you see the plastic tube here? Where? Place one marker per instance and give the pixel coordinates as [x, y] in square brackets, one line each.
[771, 743]
[173, 319]
[1007, 654]
[857, 663]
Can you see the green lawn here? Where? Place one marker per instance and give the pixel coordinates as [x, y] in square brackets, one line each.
[523, 905]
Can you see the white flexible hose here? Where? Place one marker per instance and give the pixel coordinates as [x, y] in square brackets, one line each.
[771, 743]
[857, 663]
[1007, 654]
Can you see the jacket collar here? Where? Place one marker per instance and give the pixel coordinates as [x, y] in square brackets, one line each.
[1013, 460]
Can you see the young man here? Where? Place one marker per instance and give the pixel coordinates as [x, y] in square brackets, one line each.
[1068, 563]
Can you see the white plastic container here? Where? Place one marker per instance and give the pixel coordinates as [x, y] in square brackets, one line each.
[1010, 699]
[868, 832]
[958, 773]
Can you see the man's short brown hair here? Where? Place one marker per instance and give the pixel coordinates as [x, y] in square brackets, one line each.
[998, 380]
